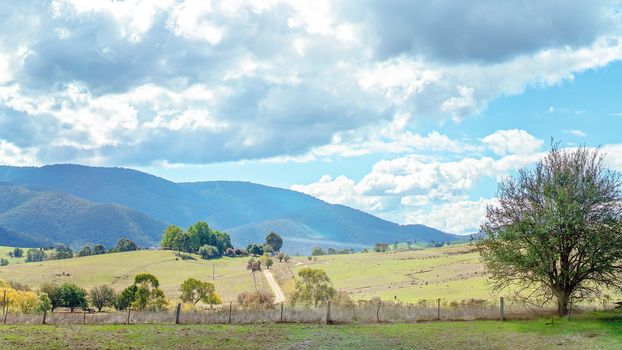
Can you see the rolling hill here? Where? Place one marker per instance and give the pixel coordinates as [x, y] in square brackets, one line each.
[246, 210]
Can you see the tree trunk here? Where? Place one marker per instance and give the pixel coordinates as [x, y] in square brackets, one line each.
[562, 305]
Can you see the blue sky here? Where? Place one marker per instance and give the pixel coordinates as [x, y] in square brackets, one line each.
[410, 110]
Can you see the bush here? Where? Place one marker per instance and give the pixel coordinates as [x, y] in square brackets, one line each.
[240, 252]
[229, 252]
[257, 300]
[18, 253]
[209, 252]
[52, 291]
[4, 262]
[343, 299]
[253, 265]
[255, 249]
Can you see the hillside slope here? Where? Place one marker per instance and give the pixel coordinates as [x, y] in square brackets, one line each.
[248, 211]
[42, 218]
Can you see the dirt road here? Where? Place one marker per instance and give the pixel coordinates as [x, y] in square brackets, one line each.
[279, 296]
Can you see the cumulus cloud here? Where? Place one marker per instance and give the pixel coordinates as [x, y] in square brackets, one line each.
[512, 141]
[288, 79]
[436, 192]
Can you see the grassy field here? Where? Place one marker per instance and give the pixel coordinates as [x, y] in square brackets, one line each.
[451, 273]
[4, 253]
[119, 269]
[603, 331]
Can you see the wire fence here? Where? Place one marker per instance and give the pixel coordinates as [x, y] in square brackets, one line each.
[362, 312]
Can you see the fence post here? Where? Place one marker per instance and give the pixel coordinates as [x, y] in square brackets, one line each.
[230, 308]
[281, 312]
[438, 309]
[4, 306]
[501, 307]
[328, 313]
[45, 314]
[178, 313]
[129, 312]
[84, 320]
[378, 311]
[6, 310]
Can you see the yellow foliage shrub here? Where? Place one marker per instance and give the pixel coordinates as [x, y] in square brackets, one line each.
[19, 301]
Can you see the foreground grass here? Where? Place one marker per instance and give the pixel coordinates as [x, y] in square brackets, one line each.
[602, 331]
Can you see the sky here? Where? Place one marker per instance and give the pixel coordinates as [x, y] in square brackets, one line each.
[409, 110]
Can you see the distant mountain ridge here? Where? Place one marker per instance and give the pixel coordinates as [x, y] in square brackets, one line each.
[246, 210]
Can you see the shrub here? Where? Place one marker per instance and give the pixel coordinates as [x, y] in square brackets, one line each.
[3, 262]
[52, 291]
[255, 249]
[256, 300]
[209, 252]
[229, 252]
[343, 299]
[240, 252]
[18, 253]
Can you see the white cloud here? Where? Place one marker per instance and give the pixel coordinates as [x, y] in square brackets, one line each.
[577, 133]
[512, 141]
[190, 19]
[10, 154]
[459, 216]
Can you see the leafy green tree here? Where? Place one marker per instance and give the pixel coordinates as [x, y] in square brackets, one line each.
[85, 251]
[209, 252]
[18, 253]
[201, 234]
[102, 296]
[169, 236]
[183, 243]
[125, 245]
[268, 262]
[72, 296]
[45, 303]
[61, 252]
[148, 294]
[126, 298]
[556, 232]
[254, 249]
[313, 287]
[275, 241]
[193, 291]
[99, 249]
[53, 293]
[317, 251]
[36, 255]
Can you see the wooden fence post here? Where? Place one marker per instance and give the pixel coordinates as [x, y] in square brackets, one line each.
[230, 309]
[129, 312]
[378, 311]
[178, 313]
[328, 313]
[84, 320]
[438, 309]
[6, 309]
[281, 312]
[501, 309]
[45, 315]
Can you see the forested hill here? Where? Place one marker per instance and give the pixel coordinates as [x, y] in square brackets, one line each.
[246, 210]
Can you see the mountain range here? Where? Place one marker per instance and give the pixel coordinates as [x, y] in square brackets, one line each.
[77, 205]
